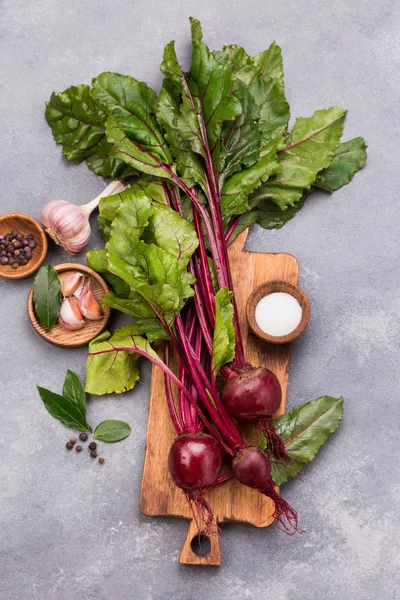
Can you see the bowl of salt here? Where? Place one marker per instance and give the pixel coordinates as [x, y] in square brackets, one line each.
[278, 312]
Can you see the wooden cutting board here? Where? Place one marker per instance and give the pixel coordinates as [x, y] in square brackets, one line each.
[230, 501]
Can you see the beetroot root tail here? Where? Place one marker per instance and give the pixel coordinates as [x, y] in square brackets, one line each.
[202, 513]
[274, 443]
[285, 516]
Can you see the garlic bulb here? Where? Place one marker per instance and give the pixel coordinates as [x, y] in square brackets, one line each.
[88, 304]
[70, 316]
[68, 224]
[70, 284]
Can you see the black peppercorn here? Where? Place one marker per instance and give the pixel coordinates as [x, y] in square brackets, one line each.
[4, 260]
[15, 265]
[83, 437]
[92, 446]
[78, 448]
[69, 445]
[93, 454]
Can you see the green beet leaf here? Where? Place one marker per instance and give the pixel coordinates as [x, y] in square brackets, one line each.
[64, 409]
[189, 164]
[349, 158]
[155, 271]
[195, 27]
[309, 149]
[112, 360]
[268, 215]
[109, 373]
[304, 430]
[235, 194]
[111, 431]
[172, 233]
[224, 333]
[270, 64]
[206, 96]
[249, 145]
[133, 106]
[73, 390]
[241, 142]
[211, 85]
[78, 123]
[97, 260]
[135, 154]
[47, 295]
[146, 320]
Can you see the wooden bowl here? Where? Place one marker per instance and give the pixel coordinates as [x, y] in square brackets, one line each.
[64, 337]
[25, 225]
[268, 288]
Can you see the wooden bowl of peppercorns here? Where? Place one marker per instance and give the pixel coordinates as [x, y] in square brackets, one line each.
[23, 245]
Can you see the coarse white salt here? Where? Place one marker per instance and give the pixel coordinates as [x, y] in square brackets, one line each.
[278, 314]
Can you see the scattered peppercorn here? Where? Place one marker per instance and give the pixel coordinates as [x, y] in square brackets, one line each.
[78, 448]
[83, 437]
[93, 454]
[92, 446]
[72, 440]
[69, 445]
[16, 249]
[101, 461]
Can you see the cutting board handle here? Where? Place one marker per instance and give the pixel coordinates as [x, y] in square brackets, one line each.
[189, 557]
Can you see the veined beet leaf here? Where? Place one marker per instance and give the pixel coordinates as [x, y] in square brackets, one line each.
[348, 159]
[78, 123]
[304, 430]
[224, 333]
[309, 149]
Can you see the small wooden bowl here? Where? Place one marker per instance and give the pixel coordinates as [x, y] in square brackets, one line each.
[270, 287]
[63, 337]
[25, 225]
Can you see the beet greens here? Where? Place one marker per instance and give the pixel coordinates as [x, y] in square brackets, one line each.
[211, 155]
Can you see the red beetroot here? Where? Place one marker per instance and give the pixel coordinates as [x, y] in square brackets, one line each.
[254, 396]
[194, 462]
[251, 467]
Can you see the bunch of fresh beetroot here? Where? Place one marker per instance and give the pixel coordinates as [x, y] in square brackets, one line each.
[212, 154]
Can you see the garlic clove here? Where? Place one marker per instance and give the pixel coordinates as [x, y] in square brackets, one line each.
[80, 287]
[71, 283]
[88, 304]
[70, 316]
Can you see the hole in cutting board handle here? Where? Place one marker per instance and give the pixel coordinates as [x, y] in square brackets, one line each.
[201, 545]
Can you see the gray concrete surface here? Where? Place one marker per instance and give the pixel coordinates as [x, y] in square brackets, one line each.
[71, 529]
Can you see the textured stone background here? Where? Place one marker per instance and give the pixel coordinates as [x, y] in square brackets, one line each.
[69, 528]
